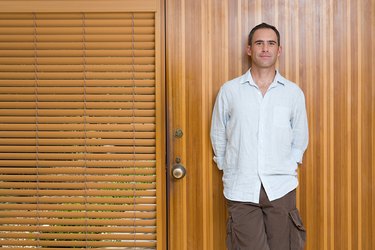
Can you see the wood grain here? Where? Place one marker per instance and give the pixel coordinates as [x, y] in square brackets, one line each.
[328, 51]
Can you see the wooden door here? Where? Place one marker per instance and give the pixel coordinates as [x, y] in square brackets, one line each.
[196, 206]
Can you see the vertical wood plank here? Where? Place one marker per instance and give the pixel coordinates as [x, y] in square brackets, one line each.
[359, 128]
[331, 132]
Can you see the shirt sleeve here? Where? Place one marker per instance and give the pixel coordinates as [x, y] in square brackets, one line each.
[218, 128]
[300, 129]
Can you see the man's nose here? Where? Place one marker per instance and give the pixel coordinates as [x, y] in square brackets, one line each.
[265, 47]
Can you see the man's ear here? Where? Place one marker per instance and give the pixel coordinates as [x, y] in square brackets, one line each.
[248, 50]
[280, 50]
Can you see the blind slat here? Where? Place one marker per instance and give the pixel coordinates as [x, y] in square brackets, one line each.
[78, 105]
[41, 142]
[66, 120]
[83, 214]
[88, 200]
[78, 83]
[77, 112]
[72, 236]
[43, 30]
[67, 185]
[90, 229]
[71, 163]
[75, 75]
[123, 22]
[78, 90]
[79, 16]
[109, 69]
[88, 207]
[79, 243]
[77, 61]
[59, 127]
[139, 38]
[102, 178]
[76, 98]
[82, 170]
[75, 134]
[103, 45]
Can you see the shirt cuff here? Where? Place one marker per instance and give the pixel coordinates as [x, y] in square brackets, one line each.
[297, 155]
[219, 162]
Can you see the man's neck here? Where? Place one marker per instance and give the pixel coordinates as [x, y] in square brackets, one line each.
[263, 77]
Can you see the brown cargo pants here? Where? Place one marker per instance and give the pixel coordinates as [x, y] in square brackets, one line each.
[269, 225]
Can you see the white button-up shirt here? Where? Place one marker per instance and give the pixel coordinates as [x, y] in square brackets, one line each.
[259, 139]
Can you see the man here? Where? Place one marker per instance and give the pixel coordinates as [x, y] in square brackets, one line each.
[259, 133]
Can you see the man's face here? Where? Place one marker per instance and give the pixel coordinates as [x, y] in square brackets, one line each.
[264, 49]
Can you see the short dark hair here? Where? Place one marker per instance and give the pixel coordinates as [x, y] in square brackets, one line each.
[263, 26]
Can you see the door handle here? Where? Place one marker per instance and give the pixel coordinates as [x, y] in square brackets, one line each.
[178, 171]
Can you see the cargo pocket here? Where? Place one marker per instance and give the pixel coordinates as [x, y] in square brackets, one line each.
[297, 231]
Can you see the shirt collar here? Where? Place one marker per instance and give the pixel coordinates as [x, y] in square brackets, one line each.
[247, 78]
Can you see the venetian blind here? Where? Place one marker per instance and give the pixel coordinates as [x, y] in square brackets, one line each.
[77, 130]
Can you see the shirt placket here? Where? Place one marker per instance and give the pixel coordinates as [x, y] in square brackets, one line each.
[261, 130]
[263, 113]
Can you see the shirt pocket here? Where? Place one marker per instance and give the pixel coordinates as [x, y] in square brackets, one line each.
[281, 117]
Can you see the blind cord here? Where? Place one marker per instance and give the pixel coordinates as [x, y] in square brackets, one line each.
[85, 122]
[133, 126]
[36, 78]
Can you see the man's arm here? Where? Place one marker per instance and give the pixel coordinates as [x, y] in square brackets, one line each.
[218, 127]
[300, 129]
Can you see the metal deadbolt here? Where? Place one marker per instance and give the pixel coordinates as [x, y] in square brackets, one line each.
[178, 171]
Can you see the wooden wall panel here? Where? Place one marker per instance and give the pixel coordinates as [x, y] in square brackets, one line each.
[328, 50]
